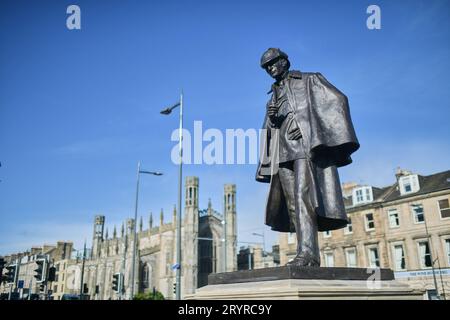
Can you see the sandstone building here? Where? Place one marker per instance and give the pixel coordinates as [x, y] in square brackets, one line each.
[404, 226]
[203, 252]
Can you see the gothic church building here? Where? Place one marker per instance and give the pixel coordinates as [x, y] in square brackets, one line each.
[204, 250]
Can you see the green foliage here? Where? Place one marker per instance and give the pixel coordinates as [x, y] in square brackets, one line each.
[149, 296]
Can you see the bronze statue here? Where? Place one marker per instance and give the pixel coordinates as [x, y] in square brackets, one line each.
[309, 134]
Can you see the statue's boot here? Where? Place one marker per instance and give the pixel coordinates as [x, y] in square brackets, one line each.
[304, 260]
[296, 182]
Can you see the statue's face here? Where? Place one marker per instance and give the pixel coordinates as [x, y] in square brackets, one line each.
[277, 68]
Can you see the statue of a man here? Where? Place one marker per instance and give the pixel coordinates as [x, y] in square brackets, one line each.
[309, 134]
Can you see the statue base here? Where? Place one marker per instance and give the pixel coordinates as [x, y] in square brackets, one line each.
[306, 283]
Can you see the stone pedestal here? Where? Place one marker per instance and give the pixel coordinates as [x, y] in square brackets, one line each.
[294, 283]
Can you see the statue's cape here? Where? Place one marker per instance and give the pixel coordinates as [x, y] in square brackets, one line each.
[323, 116]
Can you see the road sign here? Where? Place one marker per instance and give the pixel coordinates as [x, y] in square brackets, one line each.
[20, 284]
[175, 266]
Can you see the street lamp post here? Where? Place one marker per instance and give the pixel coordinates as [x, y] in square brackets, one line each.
[250, 251]
[263, 237]
[440, 276]
[122, 279]
[82, 272]
[431, 255]
[133, 271]
[224, 223]
[168, 111]
[264, 244]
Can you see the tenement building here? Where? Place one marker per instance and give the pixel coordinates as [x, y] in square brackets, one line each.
[255, 257]
[404, 226]
[26, 285]
[204, 250]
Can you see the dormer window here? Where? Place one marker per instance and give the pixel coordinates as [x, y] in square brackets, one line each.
[362, 195]
[409, 184]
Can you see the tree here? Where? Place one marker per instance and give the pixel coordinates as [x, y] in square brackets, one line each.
[149, 296]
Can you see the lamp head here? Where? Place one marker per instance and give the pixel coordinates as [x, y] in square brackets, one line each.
[166, 111]
[169, 109]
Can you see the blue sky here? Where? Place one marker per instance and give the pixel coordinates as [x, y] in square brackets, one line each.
[79, 108]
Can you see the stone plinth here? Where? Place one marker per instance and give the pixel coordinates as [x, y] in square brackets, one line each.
[294, 283]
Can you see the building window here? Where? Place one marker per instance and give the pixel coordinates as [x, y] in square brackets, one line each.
[399, 257]
[432, 294]
[374, 259]
[55, 289]
[444, 208]
[327, 234]
[370, 223]
[362, 195]
[349, 227]
[447, 245]
[424, 254]
[350, 256]
[329, 259]
[417, 210]
[409, 184]
[394, 221]
[359, 195]
[145, 276]
[291, 238]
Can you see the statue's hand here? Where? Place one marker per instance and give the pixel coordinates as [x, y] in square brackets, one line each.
[272, 110]
[294, 132]
[295, 135]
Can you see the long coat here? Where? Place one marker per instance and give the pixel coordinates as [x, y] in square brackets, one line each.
[322, 114]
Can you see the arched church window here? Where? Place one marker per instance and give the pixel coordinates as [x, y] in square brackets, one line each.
[145, 276]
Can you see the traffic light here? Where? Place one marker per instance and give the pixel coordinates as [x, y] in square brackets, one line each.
[117, 282]
[2, 265]
[174, 288]
[10, 275]
[51, 274]
[40, 270]
[42, 287]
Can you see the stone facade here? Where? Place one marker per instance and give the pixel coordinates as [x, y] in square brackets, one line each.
[27, 266]
[253, 257]
[202, 252]
[390, 228]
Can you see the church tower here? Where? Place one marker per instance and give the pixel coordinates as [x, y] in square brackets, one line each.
[231, 228]
[189, 255]
[97, 238]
